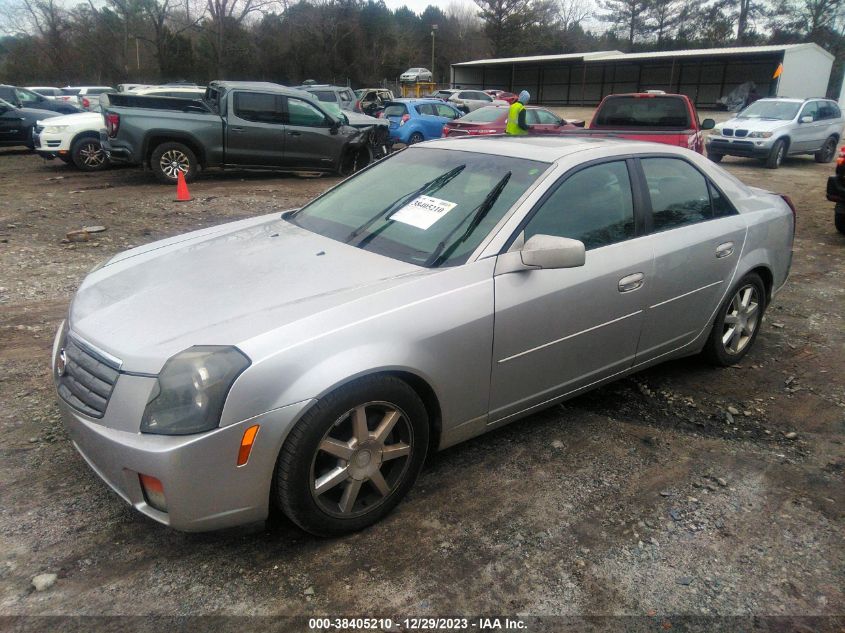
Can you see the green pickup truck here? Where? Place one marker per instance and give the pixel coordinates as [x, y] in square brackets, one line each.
[242, 125]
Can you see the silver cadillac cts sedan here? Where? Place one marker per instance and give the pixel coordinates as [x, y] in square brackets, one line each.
[307, 362]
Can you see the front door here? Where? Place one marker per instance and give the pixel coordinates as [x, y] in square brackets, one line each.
[697, 239]
[808, 136]
[311, 142]
[255, 130]
[12, 127]
[558, 330]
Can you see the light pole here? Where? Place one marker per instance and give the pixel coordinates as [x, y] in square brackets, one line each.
[433, 31]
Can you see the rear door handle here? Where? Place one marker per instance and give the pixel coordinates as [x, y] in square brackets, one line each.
[632, 282]
[724, 250]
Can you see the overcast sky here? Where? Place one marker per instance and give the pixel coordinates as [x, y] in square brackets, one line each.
[418, 6]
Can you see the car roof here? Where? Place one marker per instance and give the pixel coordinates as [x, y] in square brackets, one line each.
[543, 148]
[417, 101]
[793, 99]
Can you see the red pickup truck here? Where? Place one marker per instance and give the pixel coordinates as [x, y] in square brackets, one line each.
[652, 116]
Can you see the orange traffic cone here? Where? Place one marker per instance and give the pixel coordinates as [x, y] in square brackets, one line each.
[182, 194]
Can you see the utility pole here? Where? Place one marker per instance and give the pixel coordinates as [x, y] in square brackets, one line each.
[433, 31]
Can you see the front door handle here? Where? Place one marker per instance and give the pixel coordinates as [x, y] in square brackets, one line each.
[632, 282]
[294, 133]
[724, 250]
[237, 130]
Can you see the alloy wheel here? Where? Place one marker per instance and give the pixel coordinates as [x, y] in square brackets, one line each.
[361, 459]
[741, 319]
[174, 161]
[829, 150]
[92, 154]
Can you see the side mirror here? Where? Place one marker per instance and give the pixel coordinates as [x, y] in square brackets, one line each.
[549, 251]
[708, 124]
[806, 119]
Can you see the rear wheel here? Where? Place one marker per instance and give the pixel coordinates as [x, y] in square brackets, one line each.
[839, 217]
[827, 152]
[716, 158]
[416, 137]
[88, 155]
[168, 159]
[737, 322]
[776, 155]
[349, 461]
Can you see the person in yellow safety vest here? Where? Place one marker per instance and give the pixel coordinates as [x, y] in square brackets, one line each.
[516, 115]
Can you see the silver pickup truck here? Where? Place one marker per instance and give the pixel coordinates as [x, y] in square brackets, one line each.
[242, 125]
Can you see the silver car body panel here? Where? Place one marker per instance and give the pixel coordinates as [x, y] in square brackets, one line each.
[313, 314]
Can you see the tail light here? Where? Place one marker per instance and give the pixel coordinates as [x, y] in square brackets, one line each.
[358, 106]
[112, 124]
[445, 132]
[379, 113]
[405, 118]
[841, 159]
[86, 103]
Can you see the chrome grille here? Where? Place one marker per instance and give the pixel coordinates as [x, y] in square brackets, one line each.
[727, 131]
[88, 378]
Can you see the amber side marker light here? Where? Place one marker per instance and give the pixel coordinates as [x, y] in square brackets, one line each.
[246, 444]
[153, 492]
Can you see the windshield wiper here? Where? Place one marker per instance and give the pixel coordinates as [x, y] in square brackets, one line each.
[439, 255]
[430, 187]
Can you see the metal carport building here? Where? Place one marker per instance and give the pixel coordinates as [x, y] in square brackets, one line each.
[703, 74]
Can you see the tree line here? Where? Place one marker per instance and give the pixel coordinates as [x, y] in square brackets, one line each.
[362, 42]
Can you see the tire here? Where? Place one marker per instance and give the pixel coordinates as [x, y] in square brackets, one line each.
[416, 137]
[366, 487]
[744, 306]
[88, 155]
[776, 155]
[839, 218]
[716, 158]
[827, 152]
[168, 157]
[354, 160]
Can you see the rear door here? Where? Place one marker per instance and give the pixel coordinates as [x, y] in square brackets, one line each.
[697, 238]
[255, 130]
[310, 139]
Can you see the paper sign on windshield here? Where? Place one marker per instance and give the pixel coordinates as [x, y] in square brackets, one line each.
[423, 211]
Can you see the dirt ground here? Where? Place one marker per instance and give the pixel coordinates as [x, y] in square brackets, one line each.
[683, 491]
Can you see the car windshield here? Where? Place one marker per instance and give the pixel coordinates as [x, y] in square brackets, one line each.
[6, 104]
[775, 110]
[484, 115]
[425, 206]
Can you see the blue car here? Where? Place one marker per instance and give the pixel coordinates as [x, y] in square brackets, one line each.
[416, 120]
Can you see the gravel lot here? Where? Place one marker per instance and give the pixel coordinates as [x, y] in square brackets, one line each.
[683, 491]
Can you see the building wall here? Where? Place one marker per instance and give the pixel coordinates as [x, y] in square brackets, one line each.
[703, 79]
[806, 73]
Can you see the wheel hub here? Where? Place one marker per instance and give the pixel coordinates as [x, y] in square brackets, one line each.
[365, 461]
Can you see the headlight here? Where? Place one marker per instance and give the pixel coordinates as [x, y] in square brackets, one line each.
[759, 134]
[55, 129]
[191, 389]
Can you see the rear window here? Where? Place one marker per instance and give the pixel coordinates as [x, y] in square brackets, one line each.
[485, 115]
[654, 112]
[324, 95]
[70, 91]
[395, 109]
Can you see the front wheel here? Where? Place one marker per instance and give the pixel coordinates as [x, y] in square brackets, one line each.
[354, 160]
[737, 322]
[827, 152]
[776, 155]
[352, 458]
[716, 158]
[168, 159]
[88, 155]
[839, 218]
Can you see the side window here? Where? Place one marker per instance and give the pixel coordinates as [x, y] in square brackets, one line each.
[593, 205]
[25, 96]
[679, 193]
[259, 107]
[426, 109]
[721, 205]
[347, 97]
[811, 109]
[547, 118]
[304, 114]
[444, 110]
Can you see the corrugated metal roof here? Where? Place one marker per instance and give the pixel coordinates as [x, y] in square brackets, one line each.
[539, 58]
[601, 56]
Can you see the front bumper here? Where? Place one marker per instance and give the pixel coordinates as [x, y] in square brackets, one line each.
[204, 488]
[749, 147]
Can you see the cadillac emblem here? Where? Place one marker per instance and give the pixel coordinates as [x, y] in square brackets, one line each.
[61, 363]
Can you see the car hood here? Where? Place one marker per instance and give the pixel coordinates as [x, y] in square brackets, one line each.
[223, 286]
[754, 125]
[356, 119]
[79, 118]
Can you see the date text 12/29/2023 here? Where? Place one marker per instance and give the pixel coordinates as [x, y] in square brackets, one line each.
[417, 624]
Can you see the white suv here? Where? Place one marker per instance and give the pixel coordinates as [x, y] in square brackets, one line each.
[771, 129]
[73, 138]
